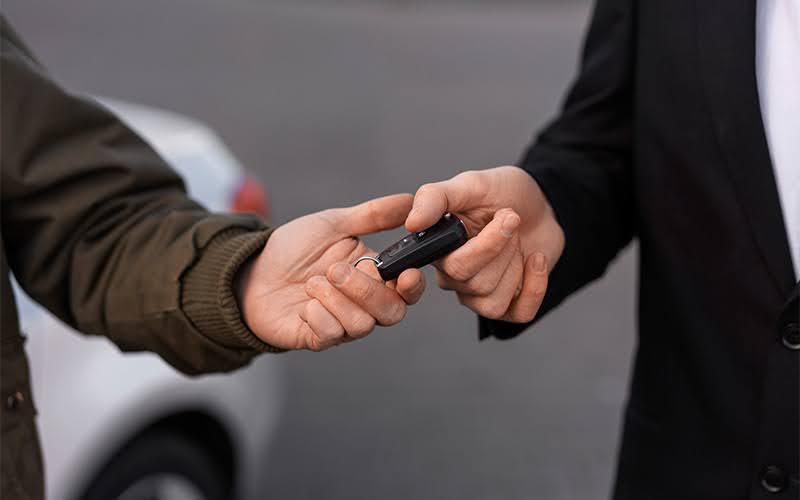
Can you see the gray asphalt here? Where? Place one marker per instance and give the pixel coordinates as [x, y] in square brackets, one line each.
[336, 103]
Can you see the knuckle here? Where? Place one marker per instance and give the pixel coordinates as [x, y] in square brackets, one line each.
[362, 290]
[523, 316]
[456, 269]
[316, 345]
[497, 243]
[541, 289]
[493, 309]
[331, 333]
[396, 313]
[313, 285]
[426, 190]
[325, 292]
[362, 325]
[490, 313]
[356, 286]
[483, 286]
[475, 180]
[527, 311]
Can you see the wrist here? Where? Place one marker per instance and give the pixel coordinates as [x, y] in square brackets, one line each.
[209, 298]
[540, 230]
[241, 283]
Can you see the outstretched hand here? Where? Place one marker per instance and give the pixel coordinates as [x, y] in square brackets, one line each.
[302, 291]
[502, 271]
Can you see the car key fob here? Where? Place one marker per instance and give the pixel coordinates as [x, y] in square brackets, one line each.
[419, 249]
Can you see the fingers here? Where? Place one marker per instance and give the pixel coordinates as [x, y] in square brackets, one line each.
[480, 251]
[325, 328]
[431, 201]
[410, 285]
[382, 303]
[369, 268]
[496, 304]
[356, 322]
[357, 302]
[524, 308]
[373, 216]
[486, 281]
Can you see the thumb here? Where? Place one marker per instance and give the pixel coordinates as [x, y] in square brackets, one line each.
[462, 192]
[374, 215]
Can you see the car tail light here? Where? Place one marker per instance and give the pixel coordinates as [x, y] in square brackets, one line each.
[250, 197]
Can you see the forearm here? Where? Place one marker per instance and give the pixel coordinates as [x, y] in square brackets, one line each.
[181, 304]
[99, 230]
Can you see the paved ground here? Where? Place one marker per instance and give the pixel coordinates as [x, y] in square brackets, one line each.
[335, 104]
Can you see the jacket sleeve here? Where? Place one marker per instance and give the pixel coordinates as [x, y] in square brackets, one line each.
[582, 160]
[99, 230]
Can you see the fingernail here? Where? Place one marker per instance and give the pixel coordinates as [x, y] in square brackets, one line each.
[340, 273]
[539, 263]
[510, 224]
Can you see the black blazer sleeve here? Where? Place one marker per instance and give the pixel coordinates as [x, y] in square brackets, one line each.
[582, 160]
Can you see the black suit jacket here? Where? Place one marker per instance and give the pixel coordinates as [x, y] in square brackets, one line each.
[661, 139]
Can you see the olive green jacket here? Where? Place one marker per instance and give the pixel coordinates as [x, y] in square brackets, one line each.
[96, 228]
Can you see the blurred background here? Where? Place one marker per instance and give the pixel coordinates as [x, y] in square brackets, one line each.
[333, 102]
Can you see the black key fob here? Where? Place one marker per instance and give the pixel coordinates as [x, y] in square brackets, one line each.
[417, 250]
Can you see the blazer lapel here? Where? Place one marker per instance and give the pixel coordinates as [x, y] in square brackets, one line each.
[727, 39]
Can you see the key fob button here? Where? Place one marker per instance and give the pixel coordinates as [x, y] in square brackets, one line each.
[416, 250]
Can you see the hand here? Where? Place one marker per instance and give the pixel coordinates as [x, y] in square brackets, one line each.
[501, 272]
[302, 291]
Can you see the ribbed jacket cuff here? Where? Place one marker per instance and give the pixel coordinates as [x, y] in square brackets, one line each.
[207, 293]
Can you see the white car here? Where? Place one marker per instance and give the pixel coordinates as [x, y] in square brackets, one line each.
[128, 426]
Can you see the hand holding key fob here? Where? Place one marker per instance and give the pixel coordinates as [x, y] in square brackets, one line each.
[419, 249]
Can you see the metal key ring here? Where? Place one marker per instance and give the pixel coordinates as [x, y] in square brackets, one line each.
[367, 257]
